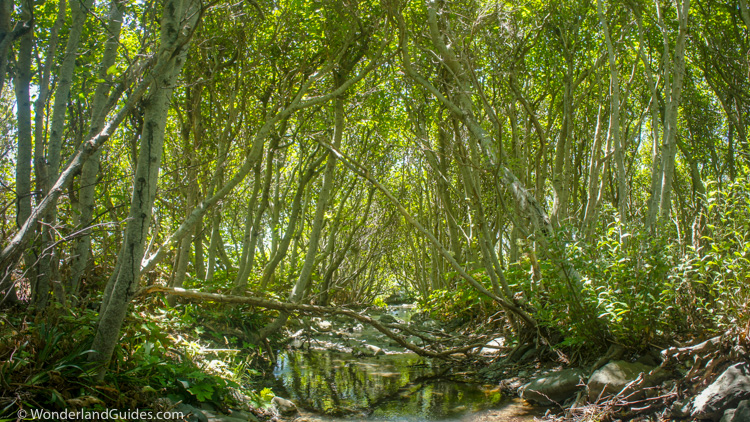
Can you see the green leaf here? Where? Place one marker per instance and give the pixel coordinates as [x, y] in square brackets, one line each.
[202, 391]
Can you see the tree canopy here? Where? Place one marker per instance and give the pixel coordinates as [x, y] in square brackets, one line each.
[580, 168]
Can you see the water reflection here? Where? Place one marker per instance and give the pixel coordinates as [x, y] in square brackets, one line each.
[391, 387]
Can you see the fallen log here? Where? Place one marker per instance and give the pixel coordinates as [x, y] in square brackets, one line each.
[307, 309]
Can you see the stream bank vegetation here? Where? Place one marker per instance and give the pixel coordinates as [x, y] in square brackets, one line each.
[181, 180]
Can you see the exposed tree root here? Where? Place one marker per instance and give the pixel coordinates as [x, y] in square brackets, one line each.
[314, 309]
[664, 392]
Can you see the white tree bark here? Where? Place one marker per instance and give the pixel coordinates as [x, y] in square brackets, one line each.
[614, 116]
[122, 285]
[48, 254]
[673, 75]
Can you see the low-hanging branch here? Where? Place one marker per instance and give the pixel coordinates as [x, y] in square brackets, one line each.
[364, 173]
[307, 309]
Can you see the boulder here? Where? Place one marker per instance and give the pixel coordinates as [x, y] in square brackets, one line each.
[190, 413]
[387, 319]
[367, 350]
[740, 414]
[414, 340]
[235, 416]
[430, 324]
[613, 377]
[491, 348]
[324, 326]
[373, 350]
[555, 387]
[729, 389]
[728, 416]
[283, 406]
[396, 299]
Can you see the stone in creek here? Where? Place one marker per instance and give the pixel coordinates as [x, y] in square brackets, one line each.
[555, 387]
[367, 350]
[740, 414]
[323, 325]
[284, 406]
[190, 413]
[374, 350]
[613, 377]
[493, 347]
[387, 319]
[729, 389]
[236, 416]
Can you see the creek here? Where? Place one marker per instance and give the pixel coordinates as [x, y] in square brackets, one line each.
[332, 375]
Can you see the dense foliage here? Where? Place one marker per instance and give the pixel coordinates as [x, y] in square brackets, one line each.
[579, 169]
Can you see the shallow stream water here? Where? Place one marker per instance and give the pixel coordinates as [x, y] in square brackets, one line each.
[330, 385]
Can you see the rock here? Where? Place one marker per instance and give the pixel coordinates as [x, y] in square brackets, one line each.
[190, 413]
[374, 350]
[414, 340]
[529, 355]
[395, 299]
[387, 319]
[649, 359]
[207, 406]
[680, 410]
[367, 350]
[614, 352]
[740, 414]
[324, 326]
[743, 411]
[728, 416]
[613, 377]
[430, 324]
[284, 406]
[729, 389]
[493, 347]
[555, 387]
[235, 416]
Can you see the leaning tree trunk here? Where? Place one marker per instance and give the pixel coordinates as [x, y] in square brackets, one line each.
[321, 205]
[256, 209]
[122, 284]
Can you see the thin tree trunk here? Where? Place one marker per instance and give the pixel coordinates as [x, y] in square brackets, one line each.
[24, 151]
[252, 205]
[281, 252]
[86, 199]
[47, 263]
[614, 117]
[674, 73]
[183, 253]
[8, 35]
[255, 219]
[303, 281]
[123, 283]
[592, 201]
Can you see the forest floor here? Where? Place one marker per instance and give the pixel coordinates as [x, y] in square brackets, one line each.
[665, 385]
[207, 361]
